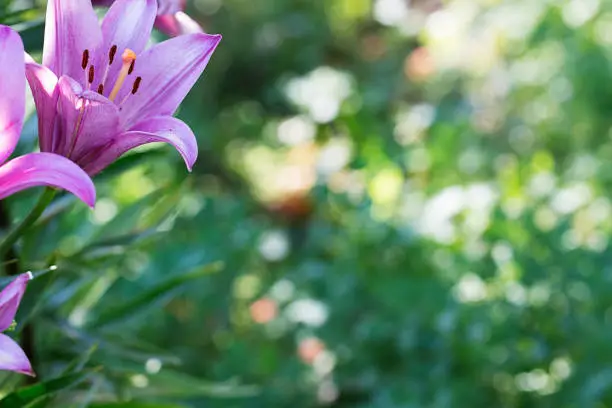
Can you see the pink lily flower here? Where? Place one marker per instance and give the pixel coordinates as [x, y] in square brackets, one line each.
[171, 20]
[32, 169]
[99, 93]
[12, 357]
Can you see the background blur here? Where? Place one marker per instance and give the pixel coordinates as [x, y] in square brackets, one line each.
[410, 200]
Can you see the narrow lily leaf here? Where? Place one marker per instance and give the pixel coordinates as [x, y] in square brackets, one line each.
[5, 280]
[121, 348]
[34, 297]
[79, 363]
[134, 404]
[27, 395]
[129, 161]
[126, 220]
[172, 384]
[121, 241]
[40, 403]
[32, 33]
[153, 296]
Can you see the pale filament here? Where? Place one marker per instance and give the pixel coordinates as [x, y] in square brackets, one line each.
[128, 57]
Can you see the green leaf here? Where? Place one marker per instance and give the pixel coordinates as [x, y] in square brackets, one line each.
[5, 280]
[42, 402]
[127, 162]
[28, 395]
[173, 384]
[134, 404]
[120, 347]
[104, 248]
[32, 34]
[79, 363]
[149, 298]
[124, 222]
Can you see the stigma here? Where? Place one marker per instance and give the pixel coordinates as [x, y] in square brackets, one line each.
[129, 59]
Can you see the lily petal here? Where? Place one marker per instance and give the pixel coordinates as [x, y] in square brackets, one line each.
[127, 24]
[87, 120]
[170, 6]
[10, 297]
[177, 24]
[168, 72]
[13, 358]
[158, 129]
[38, 169]
[43, 83]
[12, 90]
[71, 28]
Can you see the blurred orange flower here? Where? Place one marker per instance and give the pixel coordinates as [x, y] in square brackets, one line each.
[419, 65]
[309, 349]
[263, 310]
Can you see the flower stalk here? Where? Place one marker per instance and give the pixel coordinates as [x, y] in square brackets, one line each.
[43, 201]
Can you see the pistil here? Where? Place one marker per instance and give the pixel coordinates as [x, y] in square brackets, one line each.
[129, 58]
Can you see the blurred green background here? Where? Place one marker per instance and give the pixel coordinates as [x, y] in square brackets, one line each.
[397, 204]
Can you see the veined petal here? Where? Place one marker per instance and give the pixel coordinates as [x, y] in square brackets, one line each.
[158, 129]
[71, 28]
[127, 24]
[87, 121]
[48, 169]
[12, 90]
[12, 357]
[10, 297]
[177, 24]
[170, 6]
[168, 72]
[43, 83]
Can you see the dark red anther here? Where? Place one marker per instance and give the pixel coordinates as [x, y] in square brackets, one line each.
[85, 60]
[91, 74]
[111, 54]
[136, 85]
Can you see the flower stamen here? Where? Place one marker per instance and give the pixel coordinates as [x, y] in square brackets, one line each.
[84, 64]
[111, 54]
[85, 60]
[111, 57]
[135, 88]
[90, 76]
[128, 57]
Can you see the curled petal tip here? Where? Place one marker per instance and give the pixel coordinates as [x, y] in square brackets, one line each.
[48, 169]
[28, 371]
[217, 37]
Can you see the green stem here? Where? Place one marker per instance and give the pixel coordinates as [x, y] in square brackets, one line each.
[43, 201]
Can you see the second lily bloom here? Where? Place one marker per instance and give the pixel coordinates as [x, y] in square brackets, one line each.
[99, 93]
[171, 19]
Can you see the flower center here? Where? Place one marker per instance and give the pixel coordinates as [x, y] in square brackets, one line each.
[128, 59]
